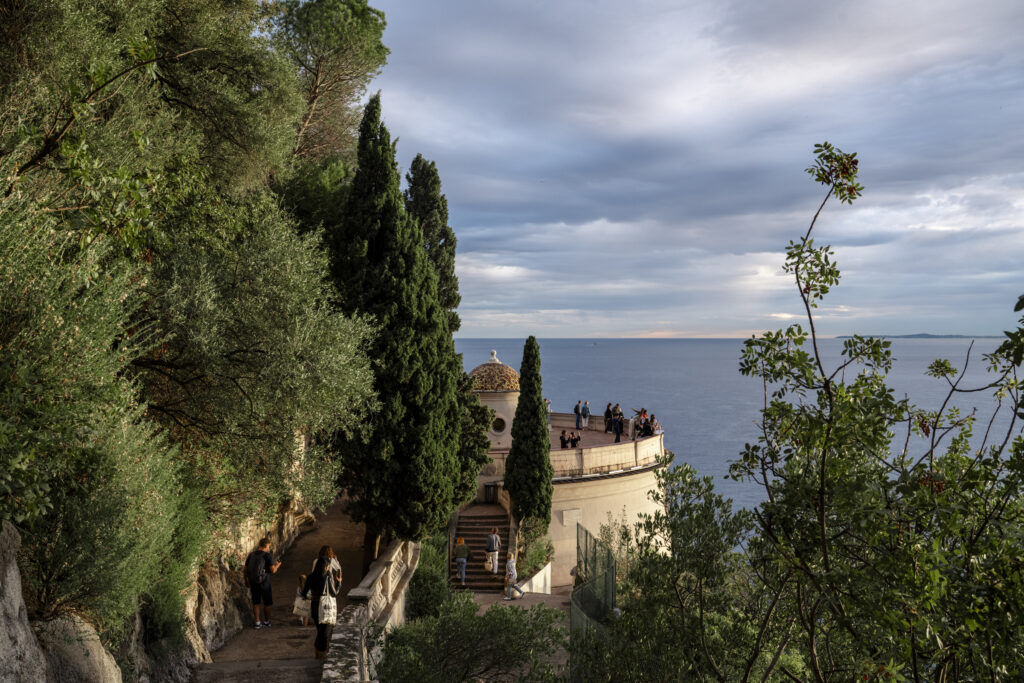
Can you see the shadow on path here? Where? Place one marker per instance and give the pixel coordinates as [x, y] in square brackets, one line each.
[254, 649]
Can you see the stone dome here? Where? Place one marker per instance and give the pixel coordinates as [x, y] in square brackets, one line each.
[494, 376]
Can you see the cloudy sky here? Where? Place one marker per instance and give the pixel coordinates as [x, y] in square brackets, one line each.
[618, 169]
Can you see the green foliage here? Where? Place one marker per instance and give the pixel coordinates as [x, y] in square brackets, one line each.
[428, 591]
[474, 444]
[691, 607]
[165, 610]
[533, 547]
[874, 556]
[429, 208]
[528, 470]
[434, 552]
[402, 474]
[335, 48]
[167, 325]
[91, 483]
[502, 644]
[254, 353]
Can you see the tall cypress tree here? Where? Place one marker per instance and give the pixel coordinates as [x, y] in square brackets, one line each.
[401, 477]
[528, 470]
[426, 204]
[429, 208]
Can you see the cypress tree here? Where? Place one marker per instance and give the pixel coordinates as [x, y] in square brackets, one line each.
[402, 474]
[426, 204]
[429, 208]
[528, 470]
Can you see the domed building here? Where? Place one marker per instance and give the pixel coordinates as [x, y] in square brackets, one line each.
[598, 478]
[497, 385]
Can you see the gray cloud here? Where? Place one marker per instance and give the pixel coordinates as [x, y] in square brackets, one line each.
[637, 168]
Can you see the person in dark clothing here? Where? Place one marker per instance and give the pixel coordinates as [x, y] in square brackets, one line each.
[574, 440]
[563, 440]
[579, 414]
[608, 419]
[259, 565]
[322, 583]
[617, 427]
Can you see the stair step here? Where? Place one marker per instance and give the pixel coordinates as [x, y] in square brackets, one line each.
[306, 670]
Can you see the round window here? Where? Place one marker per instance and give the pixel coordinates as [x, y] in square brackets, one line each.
[499, 425]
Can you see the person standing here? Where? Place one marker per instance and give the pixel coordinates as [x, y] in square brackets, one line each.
[579, 414]
[259, 565]
[547, 404]
[493, 546]
[321, 585]
[617, 427]
[585, 414]
[608, 419]
[461, 557]
[511, 576]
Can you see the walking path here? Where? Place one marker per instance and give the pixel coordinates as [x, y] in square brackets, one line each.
[274, 649]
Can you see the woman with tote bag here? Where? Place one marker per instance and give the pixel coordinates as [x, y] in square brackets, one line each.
[322, 587]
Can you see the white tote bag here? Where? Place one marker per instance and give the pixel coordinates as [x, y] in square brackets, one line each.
[328, 606]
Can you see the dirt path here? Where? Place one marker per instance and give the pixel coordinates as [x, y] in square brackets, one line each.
[287, 638]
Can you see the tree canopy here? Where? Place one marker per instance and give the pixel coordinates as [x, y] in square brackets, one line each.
[402, 472]
[887, 544]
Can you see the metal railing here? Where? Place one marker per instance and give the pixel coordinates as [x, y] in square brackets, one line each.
[593, 598]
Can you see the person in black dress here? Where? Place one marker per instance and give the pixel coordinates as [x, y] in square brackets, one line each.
[322, 582]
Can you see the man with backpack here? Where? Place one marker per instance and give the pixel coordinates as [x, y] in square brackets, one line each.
[259, 565]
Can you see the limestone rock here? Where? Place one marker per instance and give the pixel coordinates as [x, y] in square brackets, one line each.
[21, 659]
[221, 605]
[75, 652]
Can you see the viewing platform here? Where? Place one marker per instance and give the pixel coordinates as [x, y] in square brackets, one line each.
[597, 453]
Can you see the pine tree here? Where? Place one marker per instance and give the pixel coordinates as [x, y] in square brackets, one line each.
[528, 470]
[401, 477]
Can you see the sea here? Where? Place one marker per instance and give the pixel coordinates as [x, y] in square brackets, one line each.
[706, 407]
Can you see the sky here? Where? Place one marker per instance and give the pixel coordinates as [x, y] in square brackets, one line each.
[636, 169]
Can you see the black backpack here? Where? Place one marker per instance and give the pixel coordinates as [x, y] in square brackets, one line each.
[256, 567]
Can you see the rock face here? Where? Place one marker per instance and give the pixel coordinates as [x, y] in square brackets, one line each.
[68, 648]
[218, 606]
[75, 652]
[20, 656]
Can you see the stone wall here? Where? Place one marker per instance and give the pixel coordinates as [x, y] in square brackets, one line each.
[68, 648]
[377, 603]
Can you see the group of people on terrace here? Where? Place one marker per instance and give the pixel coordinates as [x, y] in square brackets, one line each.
[615, 422]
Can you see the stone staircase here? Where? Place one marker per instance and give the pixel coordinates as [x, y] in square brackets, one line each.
[475, 523]
[307, 670]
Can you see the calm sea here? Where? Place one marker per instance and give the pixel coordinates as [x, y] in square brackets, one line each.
[707, 408]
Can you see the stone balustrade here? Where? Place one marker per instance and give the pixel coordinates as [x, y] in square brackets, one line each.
[378, 602]
[601, 459]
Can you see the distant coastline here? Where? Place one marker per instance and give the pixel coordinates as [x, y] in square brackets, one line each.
[925, 335]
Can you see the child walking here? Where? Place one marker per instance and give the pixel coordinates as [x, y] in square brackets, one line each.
[300, 596]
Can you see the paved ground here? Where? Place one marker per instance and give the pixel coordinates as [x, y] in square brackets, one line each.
[559, 599]
[287, 639]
